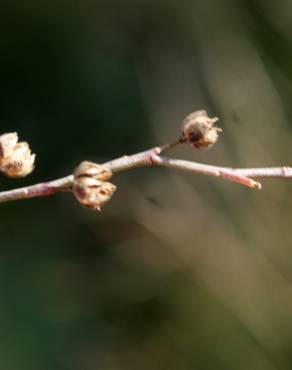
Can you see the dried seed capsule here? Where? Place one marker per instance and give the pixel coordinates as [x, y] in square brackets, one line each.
[16, 159]
[93, 170]
[89, 186]
[198, 130]
[7, 144]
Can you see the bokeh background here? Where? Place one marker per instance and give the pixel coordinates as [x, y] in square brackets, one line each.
[178, 271]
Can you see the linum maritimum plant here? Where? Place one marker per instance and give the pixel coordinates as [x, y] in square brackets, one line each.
[89, 181]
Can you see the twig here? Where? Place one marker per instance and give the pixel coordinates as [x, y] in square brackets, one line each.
[89, 181]
[38, 190]
[152, 157]
[223, 172]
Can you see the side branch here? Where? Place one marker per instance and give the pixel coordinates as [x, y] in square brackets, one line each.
[206, 169]
[224, 173]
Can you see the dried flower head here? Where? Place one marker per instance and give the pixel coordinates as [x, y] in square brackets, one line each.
[7, 144]
[89, 186]
[93, 170]
[16, 159]
[198, 130]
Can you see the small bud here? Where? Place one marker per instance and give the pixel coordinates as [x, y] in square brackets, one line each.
[16, 159]
[198, 130]
[89, 187]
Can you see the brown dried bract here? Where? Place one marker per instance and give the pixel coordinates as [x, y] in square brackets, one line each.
[198, 130]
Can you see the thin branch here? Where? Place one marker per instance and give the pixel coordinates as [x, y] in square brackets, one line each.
[266, 172]
[65, 183]
[151, 157]
[89, 182]
[42, 189]
[223, 172]
[166, 147]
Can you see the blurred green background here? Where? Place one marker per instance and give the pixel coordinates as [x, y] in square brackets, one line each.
[178, 271]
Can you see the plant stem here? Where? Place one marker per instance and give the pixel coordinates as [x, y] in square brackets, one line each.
[152, 157]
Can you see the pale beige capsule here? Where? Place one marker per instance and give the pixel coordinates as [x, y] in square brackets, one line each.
[89, 186]
[198, 130]
[16, 159]
[94, 170]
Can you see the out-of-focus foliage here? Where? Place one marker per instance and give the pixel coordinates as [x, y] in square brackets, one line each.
[178, 272]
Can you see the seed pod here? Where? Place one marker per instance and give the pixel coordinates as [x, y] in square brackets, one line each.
[16, 159]
[199, 131]
[93, 170]
[89, 186]
[7, 144]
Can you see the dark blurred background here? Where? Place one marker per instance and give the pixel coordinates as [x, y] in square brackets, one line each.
[178, 271]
